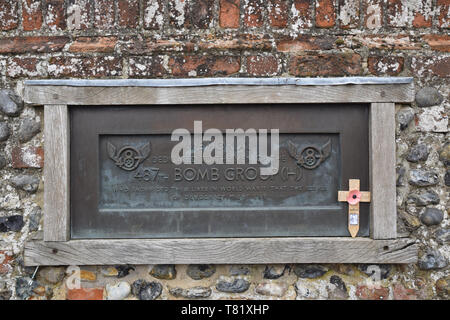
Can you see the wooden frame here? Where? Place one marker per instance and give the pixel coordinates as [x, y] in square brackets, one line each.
[56, 248]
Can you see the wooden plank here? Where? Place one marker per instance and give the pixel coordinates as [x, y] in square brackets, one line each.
[35, 94]
[56, 173]
[383, 217]
[220, 251]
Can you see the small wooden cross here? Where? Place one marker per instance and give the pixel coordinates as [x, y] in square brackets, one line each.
[353, 196]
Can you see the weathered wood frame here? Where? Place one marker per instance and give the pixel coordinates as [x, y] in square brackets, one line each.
[383, 246]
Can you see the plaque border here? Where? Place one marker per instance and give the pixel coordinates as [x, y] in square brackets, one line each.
[54, 247]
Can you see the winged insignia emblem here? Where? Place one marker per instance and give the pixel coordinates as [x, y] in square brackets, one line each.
[310, 157]
[128, 158]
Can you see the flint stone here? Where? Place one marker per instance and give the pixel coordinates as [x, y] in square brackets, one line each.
[27, 183]
[12, 223]
[235, 286]
[418, 153]
[310, 271]
[164, 271]
[442, 236]
[24, 289]
[200, 271]
[447, 178]
[52, 275]
[444, 155]
[428, 97]
[118, 291]
[146, 290]
[4, 131]
[2, 162]
[237, 270]
[423, 178]
[404, 117]
[400, 176]
[272, 289]
[191, 293]
[432, 216]
[35, 219]
[10, 103]
[381, 270]
[123, 270]
[432, 260]
[425, 198]
[274, 271]
[28, 129]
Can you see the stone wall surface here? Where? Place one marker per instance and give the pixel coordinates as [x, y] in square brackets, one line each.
[118, 39]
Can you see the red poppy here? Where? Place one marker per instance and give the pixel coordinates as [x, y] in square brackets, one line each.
[354, 196]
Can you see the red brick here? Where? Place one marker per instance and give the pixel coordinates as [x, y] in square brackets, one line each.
[79, 14]
[398, 14]
[22, 67]
[444, 13]
[349, 13]
[438, 42]
[423, 18]
[178, 11]
[138, 46]
[373, 13]
[278, 13]
[241, 42]
[326, 65]
[372, 293]
[128, 13]
[104, 14]
[229, 13]
[85, 294]
[397, 42]
[153, 14]
[253, 13]
[306, 42]
[262, 66]
[27, 157]
[79, 67]
[301, 14]
[31, 15]
[402, 293]
[5, 262]
[204, 66]
[385, 65]
[56, 15]
[9, 19]
[435, 66]
[32, 44]
[325, 14]
[201, 13]
[146, 67]
[93, 44]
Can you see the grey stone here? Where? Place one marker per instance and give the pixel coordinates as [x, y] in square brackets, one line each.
[428, 97]
[12, 223]
[24, 289]
[25, 182]
[404, 117]
[118, 291]
[442, 236]
[35, 219]
[424, 198]
[5, 295]
[373, 269]
[235, 286]
[432, 217]
[274, 271]
[124, 270]
[52, 275]
[447, 178]
[423, 178]
[2, 162]
[400, 176]
[444, 155]
[200, 271]
[164, 271]
[432, 260]
[10, 103]
[237, 270]
[418, 153]
[28, 129]
[4, 131]
[309, 271]
[191, 293]
[145, 290]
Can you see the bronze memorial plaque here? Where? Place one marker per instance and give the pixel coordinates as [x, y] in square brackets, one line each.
[125, 184]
